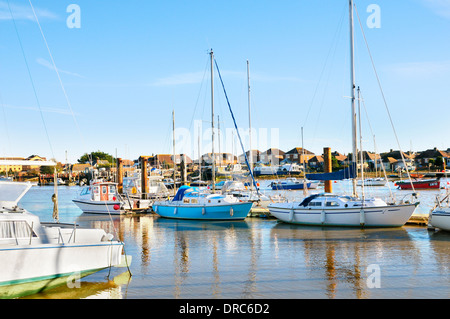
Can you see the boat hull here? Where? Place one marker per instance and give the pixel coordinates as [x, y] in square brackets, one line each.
[99, 207]
[235, 211]
[440, 218]
[46, 266]
[290, 186]
[432, 184]
[385, 216]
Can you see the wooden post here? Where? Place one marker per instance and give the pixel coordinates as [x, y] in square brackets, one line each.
[144, 176]
[327, 168]
[183, 168]
[119, 177]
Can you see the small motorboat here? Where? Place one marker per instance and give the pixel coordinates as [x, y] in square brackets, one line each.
[100, 198]
[419, 184]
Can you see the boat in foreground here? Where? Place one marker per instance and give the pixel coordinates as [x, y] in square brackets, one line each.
[191, 203]
[36, 256]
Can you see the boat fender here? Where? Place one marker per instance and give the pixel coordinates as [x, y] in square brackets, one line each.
[175, 211]
[291, 214]
[362, 217]
[231, 211]
[116, 207]
[155, 208]
[322, 216]
[107, 237]
[203, 211]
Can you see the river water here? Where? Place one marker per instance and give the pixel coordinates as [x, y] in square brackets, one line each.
[259, 258]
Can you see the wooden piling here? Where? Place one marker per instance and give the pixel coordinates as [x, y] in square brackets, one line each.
[327, 168]
[144, 176]
[119, 177]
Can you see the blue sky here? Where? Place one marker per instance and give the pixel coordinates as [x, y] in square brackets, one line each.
[132, 62]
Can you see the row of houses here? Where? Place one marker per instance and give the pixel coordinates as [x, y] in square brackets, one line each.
[392, 160]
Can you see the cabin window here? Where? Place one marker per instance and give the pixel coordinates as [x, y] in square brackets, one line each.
[314, 204]
[104, 190]
[194, 201]
[15, 229]
[112, 189]
[85, 191]
[186, 200]
[332, 204]
[96, 190]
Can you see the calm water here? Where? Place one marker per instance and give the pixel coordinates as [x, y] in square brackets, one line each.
[259, 258]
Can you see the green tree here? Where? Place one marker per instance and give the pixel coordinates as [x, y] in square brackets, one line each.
[335, 164]
[439, 162]
[93, 156]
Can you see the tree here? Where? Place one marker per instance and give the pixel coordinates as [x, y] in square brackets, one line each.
[94, 156]
[335, 164]
[439, 162]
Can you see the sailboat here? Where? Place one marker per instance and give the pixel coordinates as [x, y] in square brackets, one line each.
[194, 203]
[35, 256]
[334, 210]
[440, 215]
[440, 218]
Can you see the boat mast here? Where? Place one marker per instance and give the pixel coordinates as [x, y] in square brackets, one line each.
[199, 157]
[174, 157]
[249, 121]
[353, 86]
[360, 144]
[213, 170]
[305, 188]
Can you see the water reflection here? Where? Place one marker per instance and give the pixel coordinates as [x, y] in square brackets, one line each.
[261, 258]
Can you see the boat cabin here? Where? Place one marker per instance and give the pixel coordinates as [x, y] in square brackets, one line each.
[327, 201]
[100, 191]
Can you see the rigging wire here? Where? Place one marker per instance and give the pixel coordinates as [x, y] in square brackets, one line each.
[236, 127]
[31, 80]
[58, 75]
[375, 145]
[383, 96]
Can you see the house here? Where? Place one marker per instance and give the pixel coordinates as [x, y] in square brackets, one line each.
[80, 168]
[272, 156]
[299, 155]
[180, 157]
[254, 158]
[341, 159]
[392, 160]
[423, 159]
[33, 158]
[370, 160]
[161, 160]
[11, 168]
[316, 162]
[220, 158]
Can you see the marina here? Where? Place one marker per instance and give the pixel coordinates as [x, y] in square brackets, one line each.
[182, 200]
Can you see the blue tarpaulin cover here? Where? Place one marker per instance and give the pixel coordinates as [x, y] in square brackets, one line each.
[346, 173]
